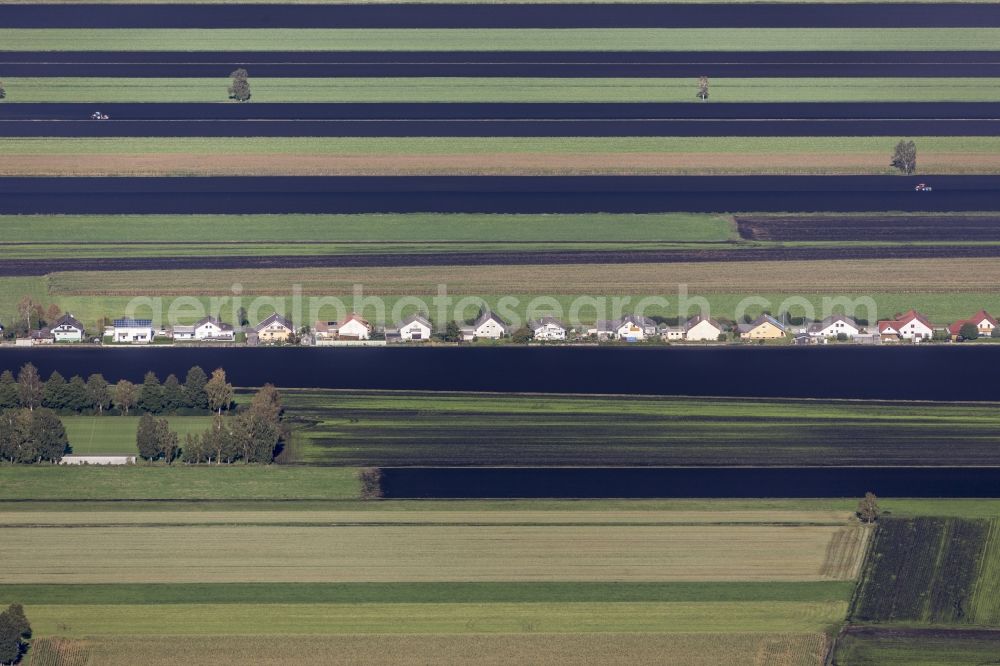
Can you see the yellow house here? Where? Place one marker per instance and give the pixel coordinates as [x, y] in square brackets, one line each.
[765, 327]
[274, 329]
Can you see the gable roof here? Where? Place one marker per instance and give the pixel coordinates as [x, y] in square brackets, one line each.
[418, 318]
[906, 318]
[354, 317]
[697, 319]
[831, 320]
[488, 315]
[637, 320]
[760, 321]
[975, 319]
[541, 322]
[133, 323]
[273, 319]
[68, 320]
[213, 320]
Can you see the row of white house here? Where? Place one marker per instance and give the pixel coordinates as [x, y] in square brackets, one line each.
[912, 326]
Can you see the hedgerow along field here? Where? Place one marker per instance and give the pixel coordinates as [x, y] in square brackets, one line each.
[403, 428]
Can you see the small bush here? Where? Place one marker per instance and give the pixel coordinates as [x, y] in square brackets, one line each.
[371, 483]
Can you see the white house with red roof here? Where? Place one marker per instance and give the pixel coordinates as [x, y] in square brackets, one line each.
[982, 320]
[910, 326]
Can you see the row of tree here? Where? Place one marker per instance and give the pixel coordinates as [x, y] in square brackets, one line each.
[31, 436]
[97, 396]
[252, 435]
[15, 630]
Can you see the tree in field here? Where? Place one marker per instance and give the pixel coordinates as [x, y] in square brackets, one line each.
[145, 437]
[239, 89]
[703, 88]
[969, 331]
[14, 631]
[3, 93]
[868, 509]
[31, 436]
[14, 426]
[30, 388]
[218, 441]
[241, 317]
[54, 394]
[99, 393]
[254, 436]
[904, 157]
[194, 388]
[166, 441]
[195, 449]
[173, 394]
[26, 312]
[452, 332]
[151, 394]
[48, 435]
[267, 403]
[371, 482]
[219, 391]
[52, 314]
[77, 397]
[125, 396]
[8, 390]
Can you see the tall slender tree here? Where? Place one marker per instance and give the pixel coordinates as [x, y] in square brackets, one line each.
[125, 396]
[219, 391]
[173, 394]
[30, 388]
[194, 388]
[8, 390]
[151, 394]
[54, 395]
[98, 393]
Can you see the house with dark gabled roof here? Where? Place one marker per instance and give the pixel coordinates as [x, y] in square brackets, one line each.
[488, 327]
[984, 323]
[67, 329]
[274, 329]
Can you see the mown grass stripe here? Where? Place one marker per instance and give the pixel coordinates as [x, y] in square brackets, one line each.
[590, 39]
[350, 593]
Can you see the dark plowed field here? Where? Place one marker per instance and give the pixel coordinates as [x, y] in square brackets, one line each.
[870, 228]
[20, 267]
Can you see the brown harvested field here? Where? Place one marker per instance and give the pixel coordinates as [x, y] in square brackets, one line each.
[490, 164]
[681, 649]
[418, 517]
[879, 227]
[845, 552]
[265, 553]
[831, 277]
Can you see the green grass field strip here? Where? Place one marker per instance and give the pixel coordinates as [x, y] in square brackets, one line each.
[927, 145]
[384, 90]
[90, 307]
[629, 39]
[179, 482]
[106, 435]
[363, 230]
[393, 593]
[294, 619]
